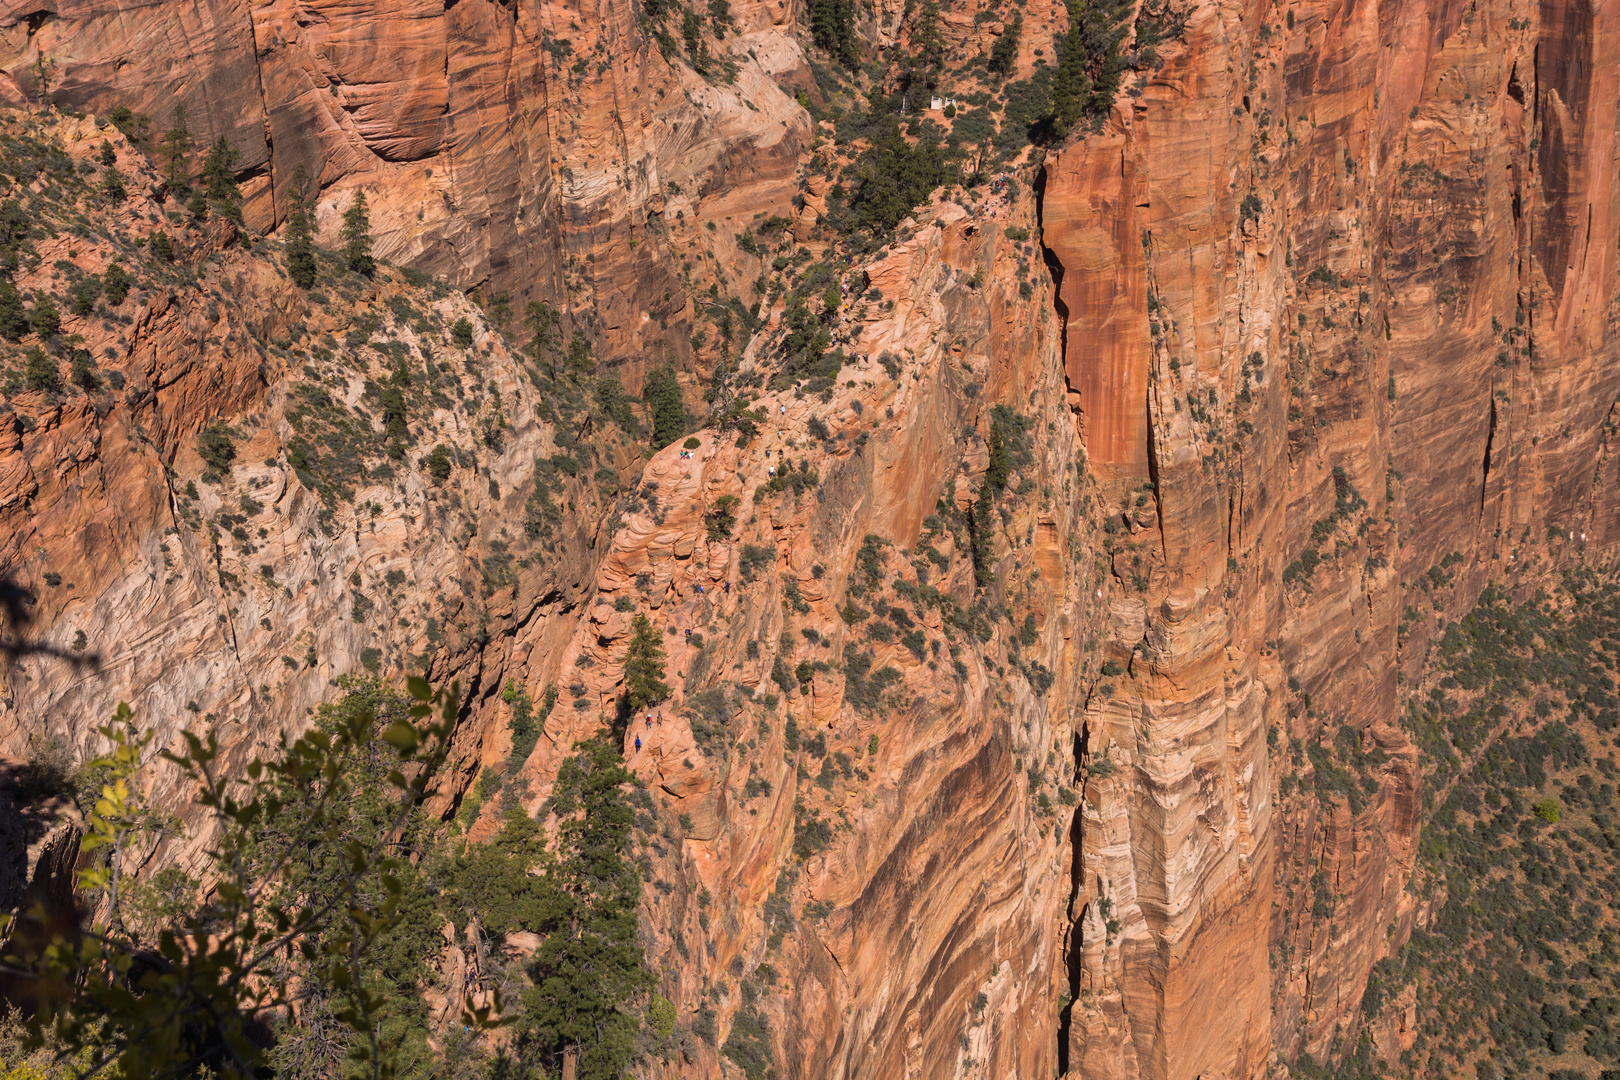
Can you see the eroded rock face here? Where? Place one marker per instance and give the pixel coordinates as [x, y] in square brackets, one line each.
[227, 600]
[929, 911]
[534, 151]
[1325, 290]
[1329, 347]
[925, 939]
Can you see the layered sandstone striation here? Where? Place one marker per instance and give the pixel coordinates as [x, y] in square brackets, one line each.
[1326, 346]
[547, 151]
[1328, 290]
[927, 939]
[229, 602]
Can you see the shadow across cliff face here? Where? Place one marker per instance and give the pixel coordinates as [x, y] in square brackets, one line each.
[40, 834]
[16, 617]
[1054, 267]
[1071, 950]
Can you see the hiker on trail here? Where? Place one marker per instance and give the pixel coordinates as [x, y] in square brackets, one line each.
[638, 744]
[700, 590]
[688, 631]
[649, 721]
[728, 588]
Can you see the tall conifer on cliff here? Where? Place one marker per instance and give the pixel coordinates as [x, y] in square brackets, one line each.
[301, 264]
[357, 237]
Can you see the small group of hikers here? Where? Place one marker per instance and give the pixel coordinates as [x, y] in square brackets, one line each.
[649, 724]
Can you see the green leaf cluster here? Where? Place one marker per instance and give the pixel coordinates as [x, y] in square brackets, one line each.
[662, 393]
[312, 907]
[644, 667]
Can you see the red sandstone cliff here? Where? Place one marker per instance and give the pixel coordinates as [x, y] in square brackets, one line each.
[1339, 282]
[1332, 302]
[540, 151]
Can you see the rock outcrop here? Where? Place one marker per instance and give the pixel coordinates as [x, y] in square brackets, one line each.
[547, 151]
[1103, 774]
[1339, 286]
[920, 934]
[226, 595]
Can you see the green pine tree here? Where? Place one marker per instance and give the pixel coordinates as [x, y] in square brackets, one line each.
[322, 883]
[115, 283]
[895, 177]
[981, 525]
[162, 247]
[590, 965]
[112, 184]
[83, 371]
[662, 393]
[1104, 26]
[219, 179]
[301, 264]
[995, 475]
[580, 359]
[832, 27]
[928, 44]
[545, 334]
[106, 154]
[692, 34]
[13, 317]
[1089, 61]
[1004, 53]
[40, 372]
[392, 401]
[1071, 87]
[644, 667]
[301, 863]
[174, 149]
[720, 16]
[46, 318]
[356, 235]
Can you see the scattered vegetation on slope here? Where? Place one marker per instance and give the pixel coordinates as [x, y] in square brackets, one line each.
[1518, 974]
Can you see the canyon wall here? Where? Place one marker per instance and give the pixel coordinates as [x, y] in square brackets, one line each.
[858, 837]
[527, 150]
[928, 934]
[1339, 285]
[229, 599]
[1326, 346]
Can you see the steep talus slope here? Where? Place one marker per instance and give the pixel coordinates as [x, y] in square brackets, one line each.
[1358, 265]
[1512, 970]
